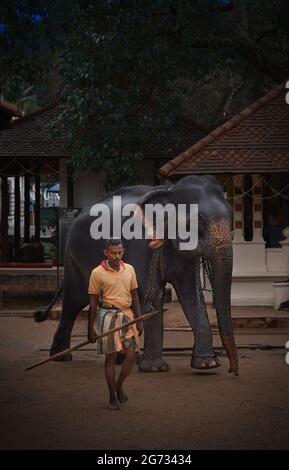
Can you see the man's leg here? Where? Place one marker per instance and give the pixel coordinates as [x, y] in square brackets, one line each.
[130, 358]
[110, 379]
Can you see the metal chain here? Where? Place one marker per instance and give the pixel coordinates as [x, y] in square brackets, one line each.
[152, 284]
[256, 197]
[207, 271]
[204, 276]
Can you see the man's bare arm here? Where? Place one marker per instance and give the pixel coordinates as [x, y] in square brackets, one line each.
[93, 307]
[135, 303]
[137, 309]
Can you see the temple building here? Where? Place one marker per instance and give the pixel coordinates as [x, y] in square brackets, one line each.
[41, 196]
[249, 155]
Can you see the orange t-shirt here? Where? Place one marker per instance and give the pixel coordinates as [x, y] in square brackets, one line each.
[113, 286]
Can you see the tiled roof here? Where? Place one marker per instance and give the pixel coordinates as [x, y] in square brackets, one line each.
[31, 136]
[254, 141]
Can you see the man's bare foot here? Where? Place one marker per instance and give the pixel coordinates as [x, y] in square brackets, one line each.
[121, 396]
[112, 406]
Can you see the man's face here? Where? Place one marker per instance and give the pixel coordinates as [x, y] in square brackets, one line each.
[114, 253]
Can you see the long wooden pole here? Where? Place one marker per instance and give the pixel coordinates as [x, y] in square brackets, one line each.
[80, 345]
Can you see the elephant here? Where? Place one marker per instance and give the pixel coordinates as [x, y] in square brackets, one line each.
[180, 268]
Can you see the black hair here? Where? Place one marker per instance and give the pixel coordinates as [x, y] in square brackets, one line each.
[112, 242]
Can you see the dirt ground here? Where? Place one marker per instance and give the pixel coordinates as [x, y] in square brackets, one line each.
[62, 405]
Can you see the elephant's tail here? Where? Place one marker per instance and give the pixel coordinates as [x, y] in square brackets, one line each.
[42, 315]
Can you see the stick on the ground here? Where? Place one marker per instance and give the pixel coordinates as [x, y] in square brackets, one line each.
[85, 343]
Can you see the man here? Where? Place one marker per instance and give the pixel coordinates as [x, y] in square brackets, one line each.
[114, 282]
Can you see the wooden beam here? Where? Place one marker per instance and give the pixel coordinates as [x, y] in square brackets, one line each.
[26, 208]
[17, 216]
[4, 218]
[37, 205]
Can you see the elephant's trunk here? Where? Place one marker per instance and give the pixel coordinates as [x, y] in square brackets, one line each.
[221, 257]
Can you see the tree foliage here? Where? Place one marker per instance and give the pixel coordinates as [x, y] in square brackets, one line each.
[114, 56]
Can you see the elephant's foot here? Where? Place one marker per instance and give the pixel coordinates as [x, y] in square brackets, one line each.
[205, 362]
[152, 365]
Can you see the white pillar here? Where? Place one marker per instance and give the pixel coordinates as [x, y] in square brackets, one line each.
[239, 244]
[257, 209]
[238, 208]
[249, 257]
[285, 250]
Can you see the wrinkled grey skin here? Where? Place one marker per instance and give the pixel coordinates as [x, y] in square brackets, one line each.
[181, 269]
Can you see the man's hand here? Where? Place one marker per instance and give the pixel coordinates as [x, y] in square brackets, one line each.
[139, 327]
[91, 336]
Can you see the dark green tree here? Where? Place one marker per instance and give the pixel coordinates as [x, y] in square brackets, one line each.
[115, 56]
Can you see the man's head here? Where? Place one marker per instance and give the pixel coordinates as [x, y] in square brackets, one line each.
[114, 250]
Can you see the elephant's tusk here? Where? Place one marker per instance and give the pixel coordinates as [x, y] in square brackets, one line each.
[156, 243]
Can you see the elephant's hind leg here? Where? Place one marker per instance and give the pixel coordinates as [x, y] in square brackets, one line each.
[75, 298]
[70, 309]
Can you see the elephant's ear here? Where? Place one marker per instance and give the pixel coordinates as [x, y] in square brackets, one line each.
[140, 211]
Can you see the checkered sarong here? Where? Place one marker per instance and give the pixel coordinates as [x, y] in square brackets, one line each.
[126, 338]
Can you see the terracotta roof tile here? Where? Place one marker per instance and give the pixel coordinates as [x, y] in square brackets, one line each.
[31, 136]
[256, 140]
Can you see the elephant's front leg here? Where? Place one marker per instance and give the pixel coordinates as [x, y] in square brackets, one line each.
[151, 360]
[189, 291]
